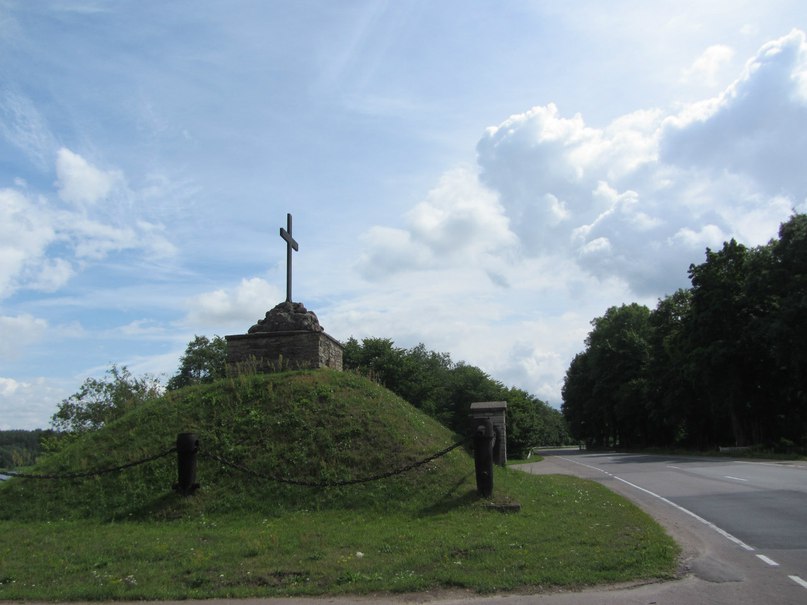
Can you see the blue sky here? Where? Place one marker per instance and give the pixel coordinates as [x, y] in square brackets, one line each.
[484, 178]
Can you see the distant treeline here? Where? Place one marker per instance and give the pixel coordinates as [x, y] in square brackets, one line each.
[723, 362]
[445, 390]
[20, 448]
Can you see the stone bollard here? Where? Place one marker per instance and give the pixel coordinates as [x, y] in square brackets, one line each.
[496, 412]
[484, 438]
[187, 446]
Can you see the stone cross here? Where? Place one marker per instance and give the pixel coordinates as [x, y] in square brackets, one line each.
[290, 243]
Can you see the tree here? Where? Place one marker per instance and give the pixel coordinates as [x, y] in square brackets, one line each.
[578, 407]
[531, 423]
[730, 361]
[204, 361]
[99, 402]
[433, 383]
[787, 327]
[675, 405]
[724, 362]
[20, 448]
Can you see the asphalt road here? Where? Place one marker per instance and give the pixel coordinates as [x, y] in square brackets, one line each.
[742, 524]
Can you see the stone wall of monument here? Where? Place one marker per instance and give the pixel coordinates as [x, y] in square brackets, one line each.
[275, 351]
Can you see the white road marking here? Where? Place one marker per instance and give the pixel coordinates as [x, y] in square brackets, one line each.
[735, 478]
[798, 581]
[722, 532]
[768, 560]
[678, 468]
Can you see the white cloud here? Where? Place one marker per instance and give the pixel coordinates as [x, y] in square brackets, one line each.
[8, 386]
[239, 307]
[26, 403]
[460, 223]
[25, 234]
[19, 332]
[79, 182]
[544, 167]
[705, 68]
[708, 236]
[577, 217]
[389, 251]
[32, 229]
[624, 198]
[756, 127]
[53, 274]
[523, 335]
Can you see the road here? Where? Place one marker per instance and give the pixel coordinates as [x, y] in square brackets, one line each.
[742, 524]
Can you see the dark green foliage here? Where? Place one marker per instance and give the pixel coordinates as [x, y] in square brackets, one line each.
[204, 361]
[20, 448]
[723, 363]
[611, 373]
[445, 390]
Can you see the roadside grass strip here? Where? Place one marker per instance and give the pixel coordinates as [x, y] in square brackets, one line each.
[570, 533]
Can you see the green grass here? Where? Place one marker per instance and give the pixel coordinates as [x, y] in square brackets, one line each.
[128, 536]
[569, 533]
[310, 426]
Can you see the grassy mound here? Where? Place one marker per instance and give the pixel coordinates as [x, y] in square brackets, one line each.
[243, 535]
[316, 426]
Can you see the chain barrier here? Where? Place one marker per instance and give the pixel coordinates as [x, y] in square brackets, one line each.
[223, 461]
[321, 484]
[93, 472]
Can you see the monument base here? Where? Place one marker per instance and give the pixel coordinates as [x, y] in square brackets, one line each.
[275, 351]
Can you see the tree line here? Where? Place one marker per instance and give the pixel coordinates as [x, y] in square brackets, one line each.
[20, 448]
[721, 363]
[443, 389]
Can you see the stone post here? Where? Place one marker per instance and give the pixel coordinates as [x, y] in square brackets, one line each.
[495, 411]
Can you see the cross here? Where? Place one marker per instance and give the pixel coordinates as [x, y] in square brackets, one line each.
[290, 243]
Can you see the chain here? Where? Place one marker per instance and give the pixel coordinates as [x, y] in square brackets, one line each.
[243, 469]
[93, 472]
[377, 477]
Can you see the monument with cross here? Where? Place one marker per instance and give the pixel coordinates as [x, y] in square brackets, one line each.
[288, 337]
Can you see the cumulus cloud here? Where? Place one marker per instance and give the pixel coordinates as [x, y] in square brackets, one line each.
[460, 223]
[640, 198]
[238, 307]
[705, 68]
[757, 127]
[569, 216]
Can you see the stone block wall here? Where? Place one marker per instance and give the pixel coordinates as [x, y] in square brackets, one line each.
[275, 351]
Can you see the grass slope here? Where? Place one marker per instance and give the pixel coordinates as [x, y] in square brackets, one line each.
[128, 536]
[307, 426]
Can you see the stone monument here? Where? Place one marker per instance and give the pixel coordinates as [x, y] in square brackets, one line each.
[289, 337]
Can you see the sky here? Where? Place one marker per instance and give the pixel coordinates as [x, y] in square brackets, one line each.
[484, 178]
